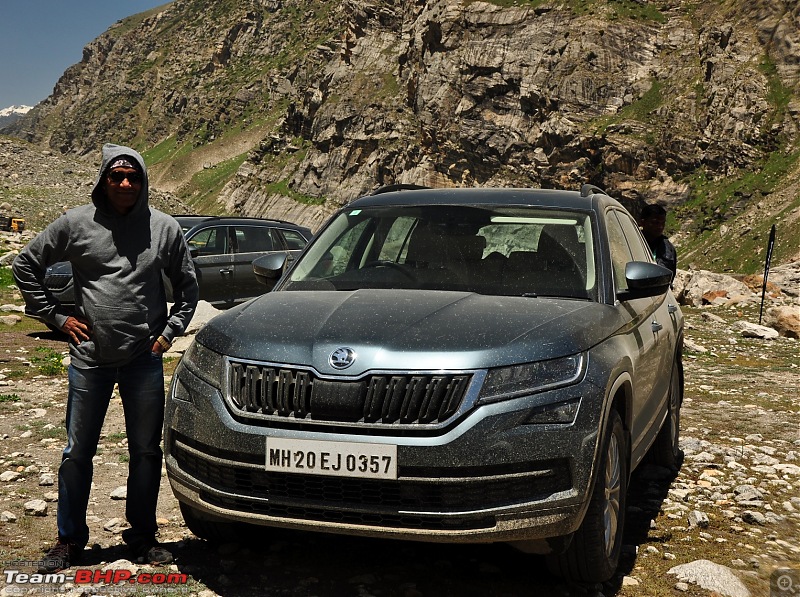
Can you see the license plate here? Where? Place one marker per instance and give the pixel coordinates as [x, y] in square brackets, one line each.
[336, 459]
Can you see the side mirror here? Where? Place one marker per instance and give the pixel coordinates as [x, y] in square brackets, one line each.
[194, 252]
[268, 268]
[644, 280]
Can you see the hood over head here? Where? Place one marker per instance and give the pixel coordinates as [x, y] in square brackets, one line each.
[112, 153]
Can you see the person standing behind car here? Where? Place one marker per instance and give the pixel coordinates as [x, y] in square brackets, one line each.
[653, 221]
[118, 246]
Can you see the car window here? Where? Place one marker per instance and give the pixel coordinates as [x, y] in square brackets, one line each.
[395, 245]
[636, 243]
[294, 240]
[210, 241]
[620, 251]
[254, 239]
[486, 249]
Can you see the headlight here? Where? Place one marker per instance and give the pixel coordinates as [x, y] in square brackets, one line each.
[205, 363]
[518, 380]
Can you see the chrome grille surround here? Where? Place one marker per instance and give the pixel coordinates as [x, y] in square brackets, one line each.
[260, 392]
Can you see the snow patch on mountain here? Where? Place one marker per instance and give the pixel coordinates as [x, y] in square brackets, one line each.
[12, 114]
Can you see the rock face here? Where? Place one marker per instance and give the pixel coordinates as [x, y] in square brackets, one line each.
[318, 102]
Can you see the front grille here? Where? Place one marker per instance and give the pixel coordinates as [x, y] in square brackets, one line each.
[317, 497]
[258, 391]
[56, 281]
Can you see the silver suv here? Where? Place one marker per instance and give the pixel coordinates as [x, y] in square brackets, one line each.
[440, 365]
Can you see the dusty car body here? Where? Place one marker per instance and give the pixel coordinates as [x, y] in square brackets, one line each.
[443, 365]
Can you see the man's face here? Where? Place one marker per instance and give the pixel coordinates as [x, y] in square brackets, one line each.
[653, 226]
[122, 188]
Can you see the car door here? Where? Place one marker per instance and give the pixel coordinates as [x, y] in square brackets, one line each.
[643, 329]
[251, 242]
[213, 263]
[663, 321]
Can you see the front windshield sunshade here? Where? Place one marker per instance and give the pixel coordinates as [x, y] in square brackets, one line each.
[493, 250]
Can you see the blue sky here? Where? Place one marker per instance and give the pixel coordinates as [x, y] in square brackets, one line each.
[40, 39]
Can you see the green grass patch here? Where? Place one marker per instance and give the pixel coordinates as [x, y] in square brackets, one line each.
[640, 110]
[48, 361]
[206, 185]
[140, 69]
[42, 430]
[511, 3]
[713, 201]
[779, 95]
[614, 9]
[9, 398]
[282, 188]
[6, 279]
[168, 149]
[131, 23]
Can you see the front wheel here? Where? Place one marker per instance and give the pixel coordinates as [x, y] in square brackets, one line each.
[593, 554]
[665, 450]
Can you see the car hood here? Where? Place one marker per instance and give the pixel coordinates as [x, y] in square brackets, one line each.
[407, 329]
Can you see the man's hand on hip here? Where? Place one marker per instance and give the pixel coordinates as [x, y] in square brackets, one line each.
[77, 328]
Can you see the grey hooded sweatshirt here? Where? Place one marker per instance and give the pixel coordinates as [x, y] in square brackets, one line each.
[117, 263]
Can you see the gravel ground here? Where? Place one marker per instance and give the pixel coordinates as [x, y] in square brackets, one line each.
[734, 503]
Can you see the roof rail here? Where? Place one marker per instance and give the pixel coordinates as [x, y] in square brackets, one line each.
[397, 187]
[590, 189]
[254, 218]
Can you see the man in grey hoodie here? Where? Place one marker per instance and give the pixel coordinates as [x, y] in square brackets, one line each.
[118, 246]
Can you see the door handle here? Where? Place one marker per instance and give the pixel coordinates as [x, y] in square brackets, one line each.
[672, 309]
[656, 327]
[226, 272]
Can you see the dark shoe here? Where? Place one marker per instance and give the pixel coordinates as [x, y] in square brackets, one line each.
[151, 553]
[60, 557]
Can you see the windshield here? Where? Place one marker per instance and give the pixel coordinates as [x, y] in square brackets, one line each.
[494, 250]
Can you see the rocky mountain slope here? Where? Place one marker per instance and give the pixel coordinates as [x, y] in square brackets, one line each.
[290, 108]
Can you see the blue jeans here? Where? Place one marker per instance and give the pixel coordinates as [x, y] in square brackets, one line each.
[141, 387]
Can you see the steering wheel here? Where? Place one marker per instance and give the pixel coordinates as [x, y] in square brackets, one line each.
[390, 264]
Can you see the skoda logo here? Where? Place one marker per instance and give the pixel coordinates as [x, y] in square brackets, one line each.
[342, 358]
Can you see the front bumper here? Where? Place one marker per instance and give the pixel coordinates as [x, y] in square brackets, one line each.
[493, 476]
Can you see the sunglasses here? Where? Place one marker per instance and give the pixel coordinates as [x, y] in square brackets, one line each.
[118, 176]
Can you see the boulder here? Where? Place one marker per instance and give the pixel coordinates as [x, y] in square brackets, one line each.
[712, 577]
[698, 287]
[787, 277]
[753, 330]
[784, 319]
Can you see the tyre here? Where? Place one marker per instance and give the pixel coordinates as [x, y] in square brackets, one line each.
[665, 450]
[210, 529]
[593, 554]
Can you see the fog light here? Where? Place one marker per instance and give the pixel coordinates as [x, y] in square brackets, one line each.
[558, 413]
[180, 391]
